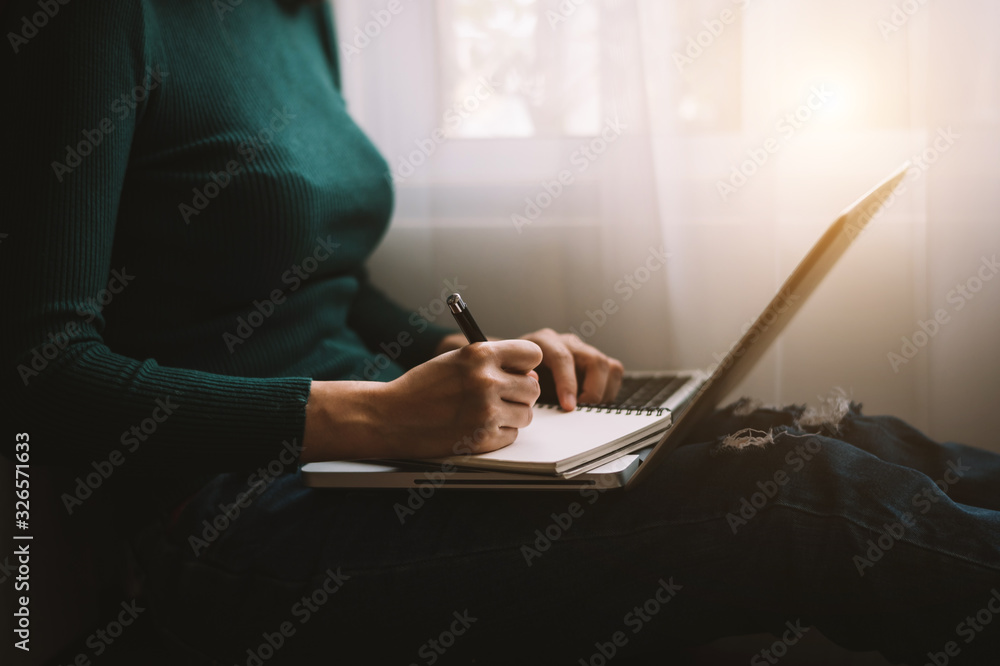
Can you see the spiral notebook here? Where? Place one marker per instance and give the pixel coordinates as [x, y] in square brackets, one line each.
[570, 443]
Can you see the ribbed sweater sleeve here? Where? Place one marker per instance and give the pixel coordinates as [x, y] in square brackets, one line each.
[66, 152]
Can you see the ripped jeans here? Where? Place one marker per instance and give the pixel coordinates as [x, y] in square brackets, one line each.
[875, 535]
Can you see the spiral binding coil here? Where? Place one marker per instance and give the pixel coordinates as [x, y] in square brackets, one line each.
[611, 409]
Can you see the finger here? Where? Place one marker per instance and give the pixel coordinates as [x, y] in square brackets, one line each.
[514, 415]
[595, 367]
[595, 377]
[509, 420]
[518, 356]
[521, 389]
[615, 373]
[498, 440]
[558, 358]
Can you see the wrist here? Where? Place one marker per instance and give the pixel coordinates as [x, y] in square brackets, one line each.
[341, 421]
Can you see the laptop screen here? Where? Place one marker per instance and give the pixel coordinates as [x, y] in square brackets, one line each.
[744, 354]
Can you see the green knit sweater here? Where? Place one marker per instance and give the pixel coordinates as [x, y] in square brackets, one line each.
[188, 208]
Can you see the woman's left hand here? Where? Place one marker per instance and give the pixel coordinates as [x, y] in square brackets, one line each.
[566, 356]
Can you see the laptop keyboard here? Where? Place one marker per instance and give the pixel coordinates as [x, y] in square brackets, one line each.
[644, 392]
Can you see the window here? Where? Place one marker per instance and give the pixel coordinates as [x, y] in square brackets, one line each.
[541, 61]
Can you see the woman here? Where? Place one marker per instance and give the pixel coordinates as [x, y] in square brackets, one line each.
[192, 210]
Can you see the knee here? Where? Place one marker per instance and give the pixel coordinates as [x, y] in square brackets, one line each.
[782, 466]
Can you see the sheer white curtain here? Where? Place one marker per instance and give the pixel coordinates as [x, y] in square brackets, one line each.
[646, 172]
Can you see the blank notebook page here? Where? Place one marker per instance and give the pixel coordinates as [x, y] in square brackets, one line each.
[555, 435]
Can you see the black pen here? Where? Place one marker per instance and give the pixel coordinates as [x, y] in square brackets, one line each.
[465, 320]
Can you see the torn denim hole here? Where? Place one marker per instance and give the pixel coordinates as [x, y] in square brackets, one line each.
[829, 414]
[747, 438]
[831, 411]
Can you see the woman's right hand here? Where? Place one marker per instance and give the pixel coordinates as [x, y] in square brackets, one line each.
[470, 400]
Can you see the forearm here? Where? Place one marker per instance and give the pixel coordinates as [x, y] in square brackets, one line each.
[89, 402]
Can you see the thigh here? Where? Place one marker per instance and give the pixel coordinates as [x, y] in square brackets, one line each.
[718, 542]
[966, 474]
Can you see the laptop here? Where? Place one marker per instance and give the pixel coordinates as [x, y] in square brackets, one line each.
[688, 395]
